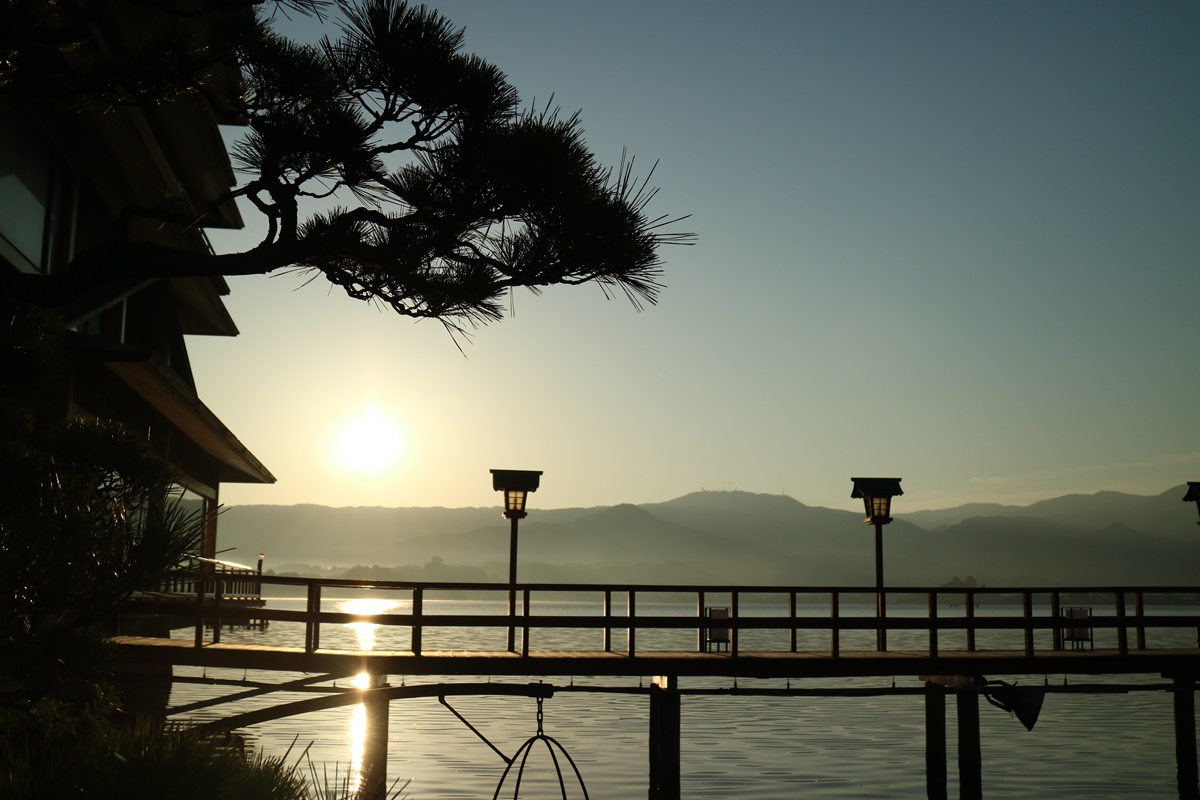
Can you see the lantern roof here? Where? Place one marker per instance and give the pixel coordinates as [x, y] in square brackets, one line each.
[521, 479]
[876, 487]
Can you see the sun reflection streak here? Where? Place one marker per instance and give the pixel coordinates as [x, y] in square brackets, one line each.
[358, 746]
[365, 632]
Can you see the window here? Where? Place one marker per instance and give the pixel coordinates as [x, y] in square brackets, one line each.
[26, 189]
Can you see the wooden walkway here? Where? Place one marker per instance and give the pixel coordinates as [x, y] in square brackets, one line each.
[959, 643]
[767, 664]
[1120, 630]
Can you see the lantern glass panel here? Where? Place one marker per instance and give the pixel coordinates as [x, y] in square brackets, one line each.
[881, 506]
[514, 500]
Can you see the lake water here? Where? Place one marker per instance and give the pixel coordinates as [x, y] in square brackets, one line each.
[764, 747]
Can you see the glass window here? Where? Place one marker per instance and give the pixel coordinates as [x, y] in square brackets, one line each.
[25, 187]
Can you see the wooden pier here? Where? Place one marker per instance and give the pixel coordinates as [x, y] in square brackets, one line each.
[953, 640]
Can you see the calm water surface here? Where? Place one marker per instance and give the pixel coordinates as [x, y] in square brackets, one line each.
[1084, 746]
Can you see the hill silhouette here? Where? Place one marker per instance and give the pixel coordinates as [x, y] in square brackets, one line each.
[745, 538]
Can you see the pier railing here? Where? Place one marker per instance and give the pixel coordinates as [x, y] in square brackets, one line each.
[631, 619]
[212, 579]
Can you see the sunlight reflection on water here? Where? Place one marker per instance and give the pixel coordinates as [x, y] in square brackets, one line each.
[768, 748]
[365, 633]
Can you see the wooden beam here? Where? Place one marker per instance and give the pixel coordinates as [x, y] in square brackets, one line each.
[1185, 738]
[935, 741]
[375, 742]
[970, 760]
[664, 738]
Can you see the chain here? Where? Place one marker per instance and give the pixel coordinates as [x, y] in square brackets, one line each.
[539, 716]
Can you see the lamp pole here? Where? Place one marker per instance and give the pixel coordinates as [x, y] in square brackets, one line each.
[877, 494]
[512, 554]
[516, 485]
[512, 579]
[880, 597]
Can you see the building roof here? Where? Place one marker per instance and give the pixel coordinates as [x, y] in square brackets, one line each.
[167, 393]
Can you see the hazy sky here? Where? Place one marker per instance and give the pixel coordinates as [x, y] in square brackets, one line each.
[954, 242]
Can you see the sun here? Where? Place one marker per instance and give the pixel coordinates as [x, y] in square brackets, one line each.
[369, 444]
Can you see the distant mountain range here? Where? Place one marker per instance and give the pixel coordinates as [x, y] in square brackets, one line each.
[739, 538]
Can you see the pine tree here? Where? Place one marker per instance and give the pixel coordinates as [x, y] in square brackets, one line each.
[383, 156]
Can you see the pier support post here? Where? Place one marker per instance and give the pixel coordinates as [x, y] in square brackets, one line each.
[1185, 738]
[664, 738]
[935, 741]
[970, 759]
[375, 743]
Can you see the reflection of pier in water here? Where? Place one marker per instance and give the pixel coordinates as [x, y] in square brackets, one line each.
[953, 639]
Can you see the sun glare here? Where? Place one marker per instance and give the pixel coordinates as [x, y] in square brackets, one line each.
[368, 444]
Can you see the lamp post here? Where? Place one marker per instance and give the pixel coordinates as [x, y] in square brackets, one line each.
[1193, 495]
[877, 494]
[516, 485]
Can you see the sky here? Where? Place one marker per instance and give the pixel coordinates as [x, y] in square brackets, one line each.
[951, 242]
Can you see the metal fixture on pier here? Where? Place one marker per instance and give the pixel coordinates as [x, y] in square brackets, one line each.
[521, 758]
[877, 494]
[516, 485]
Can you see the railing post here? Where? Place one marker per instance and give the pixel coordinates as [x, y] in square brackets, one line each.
[835, 643]
[734, 627]
[199, 586]
[631, 631]
[1056, 612]
[218, 590]
[312, 627]
[933, 630]
[969, 599]
[792, 616]
[1139, 611]
[607, 620]
[701, 631]
[1027, 616]
[418, 610]
[1122, 633]
[525, 626]
[258, 583]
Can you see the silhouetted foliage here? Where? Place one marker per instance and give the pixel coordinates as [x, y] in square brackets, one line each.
[383, 156]
[47, 755]
[88, 515]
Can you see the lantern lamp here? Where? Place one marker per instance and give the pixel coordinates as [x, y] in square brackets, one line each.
[516, 485]
[877, 494]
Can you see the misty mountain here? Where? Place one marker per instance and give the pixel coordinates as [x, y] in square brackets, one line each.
[937, 519]
[741, 537]
[1161, 513]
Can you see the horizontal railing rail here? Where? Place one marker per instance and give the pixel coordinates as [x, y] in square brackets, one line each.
[813, 619]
